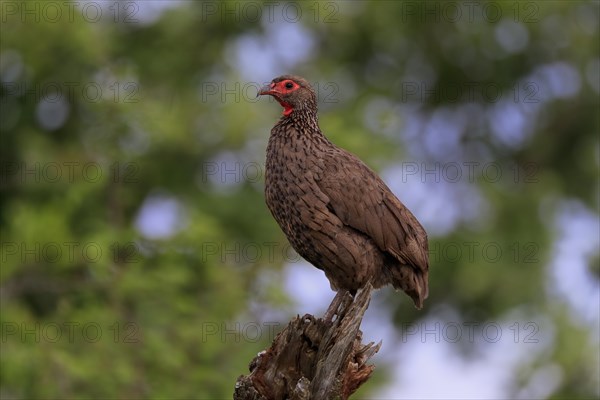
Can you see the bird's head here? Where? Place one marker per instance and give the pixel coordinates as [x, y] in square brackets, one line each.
[292, 92]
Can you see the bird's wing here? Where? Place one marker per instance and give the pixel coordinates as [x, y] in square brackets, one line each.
[363, 201]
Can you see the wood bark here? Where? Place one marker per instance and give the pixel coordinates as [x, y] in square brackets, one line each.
[314, 358]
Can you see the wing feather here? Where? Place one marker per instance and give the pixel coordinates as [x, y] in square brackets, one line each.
[363, 201]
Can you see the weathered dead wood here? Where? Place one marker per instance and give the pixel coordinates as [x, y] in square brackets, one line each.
[314, 358]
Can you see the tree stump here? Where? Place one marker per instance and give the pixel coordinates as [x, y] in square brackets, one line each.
[314, 358]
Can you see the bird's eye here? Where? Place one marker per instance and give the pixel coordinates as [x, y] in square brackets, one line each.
[289, 85]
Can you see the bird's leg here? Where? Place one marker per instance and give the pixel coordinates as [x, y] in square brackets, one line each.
[333, 308]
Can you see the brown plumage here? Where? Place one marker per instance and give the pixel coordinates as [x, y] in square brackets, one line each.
[335, 211]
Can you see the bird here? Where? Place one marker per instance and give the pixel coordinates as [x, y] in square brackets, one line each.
[335, 211]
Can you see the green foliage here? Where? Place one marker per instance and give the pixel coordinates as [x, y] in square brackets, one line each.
[94, 308]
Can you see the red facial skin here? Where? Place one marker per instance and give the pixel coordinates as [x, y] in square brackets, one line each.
[280, 89]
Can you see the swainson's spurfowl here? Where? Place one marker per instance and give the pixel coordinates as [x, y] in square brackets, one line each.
[335, 211]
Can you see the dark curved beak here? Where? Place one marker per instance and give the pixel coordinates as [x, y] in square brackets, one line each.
[266, 89]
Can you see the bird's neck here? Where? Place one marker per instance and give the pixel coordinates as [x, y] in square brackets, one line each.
[298, 131]
[302, 120]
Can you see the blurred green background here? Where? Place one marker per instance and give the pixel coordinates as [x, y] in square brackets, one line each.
[139, 260]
